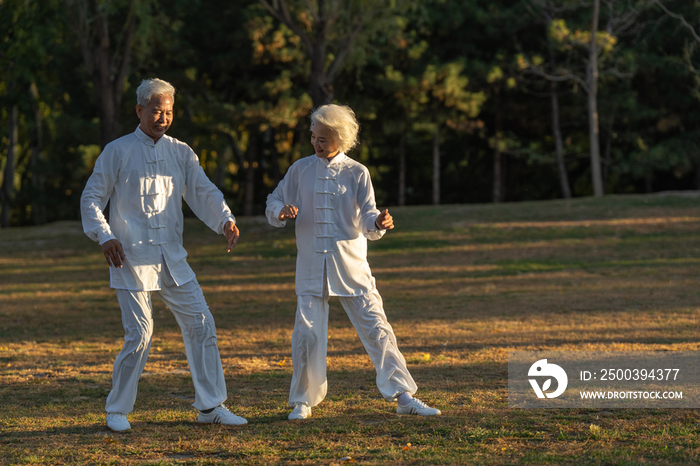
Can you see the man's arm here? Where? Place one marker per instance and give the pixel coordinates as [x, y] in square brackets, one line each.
[93, 201]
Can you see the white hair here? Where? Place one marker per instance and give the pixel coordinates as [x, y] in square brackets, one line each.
[341, 120]
[151, 87]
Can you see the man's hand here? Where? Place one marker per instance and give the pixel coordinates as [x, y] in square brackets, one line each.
[384, 221]
[232, 234]
[114, 253]
[288, 211]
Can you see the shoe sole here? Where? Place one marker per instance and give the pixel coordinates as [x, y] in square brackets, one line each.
[220, 424]
[119, 431]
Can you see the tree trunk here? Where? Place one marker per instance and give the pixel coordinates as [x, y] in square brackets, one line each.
[321, 79]
[271, 159]
[8, 184]
[249, 199]
[108, 112]
[497, 174]
[320, 88]
[103, 87]
[222, 166]
[558, 144]
[608, 156]
[592, 81]
[504, 176]
[108, 66]
[240, 157]
[108, 83]
[36, 148]
[497, 161]
[402, 169]
[436, 165]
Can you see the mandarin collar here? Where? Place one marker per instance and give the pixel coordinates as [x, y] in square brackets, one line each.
[334, 161]
[145, 138]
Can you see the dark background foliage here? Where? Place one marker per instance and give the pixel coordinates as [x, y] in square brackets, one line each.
[454, 97]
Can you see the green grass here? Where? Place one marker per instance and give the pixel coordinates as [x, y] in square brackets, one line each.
[462, 286]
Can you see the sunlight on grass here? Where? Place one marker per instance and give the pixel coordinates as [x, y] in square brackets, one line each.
[617, 274]
[589, 223]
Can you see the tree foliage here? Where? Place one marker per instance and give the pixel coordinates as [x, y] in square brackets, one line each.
[455, 97]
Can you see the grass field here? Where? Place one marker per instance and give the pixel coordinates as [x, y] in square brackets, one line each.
[462, 285]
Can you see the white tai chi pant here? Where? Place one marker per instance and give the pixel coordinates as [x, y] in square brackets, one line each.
[198, 332]
[310, 342]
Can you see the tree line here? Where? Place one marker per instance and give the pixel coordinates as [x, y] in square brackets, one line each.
[459, 101]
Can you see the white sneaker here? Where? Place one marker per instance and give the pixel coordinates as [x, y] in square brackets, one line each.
[416, 406]
[117, 422]
[221, 415]
[300, 411]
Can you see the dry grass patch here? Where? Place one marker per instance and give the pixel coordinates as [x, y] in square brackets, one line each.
[462, 286]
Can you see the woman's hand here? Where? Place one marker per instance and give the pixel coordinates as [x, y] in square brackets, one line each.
[287, 212]
[384, 221]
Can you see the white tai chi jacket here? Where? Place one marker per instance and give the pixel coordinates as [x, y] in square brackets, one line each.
[145, 183]
[337, 215]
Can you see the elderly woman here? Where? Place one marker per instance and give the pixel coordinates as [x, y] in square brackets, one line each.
[332, 198]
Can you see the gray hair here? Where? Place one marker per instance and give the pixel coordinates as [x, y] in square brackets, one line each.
[341, 120]
[151, 87]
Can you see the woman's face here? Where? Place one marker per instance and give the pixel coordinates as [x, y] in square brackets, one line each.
[323, 141]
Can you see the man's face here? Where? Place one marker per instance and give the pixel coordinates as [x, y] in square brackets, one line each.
[157, 116]
[323, 141]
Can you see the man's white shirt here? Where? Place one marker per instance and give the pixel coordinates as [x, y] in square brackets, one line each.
[337, 214]
[145, 183]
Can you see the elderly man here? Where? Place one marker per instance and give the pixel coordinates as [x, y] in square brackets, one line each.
[145, 175]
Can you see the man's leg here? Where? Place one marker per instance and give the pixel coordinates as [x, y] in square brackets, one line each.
[191, 311]
[128, 366]
[367, 316]
[309, 347]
